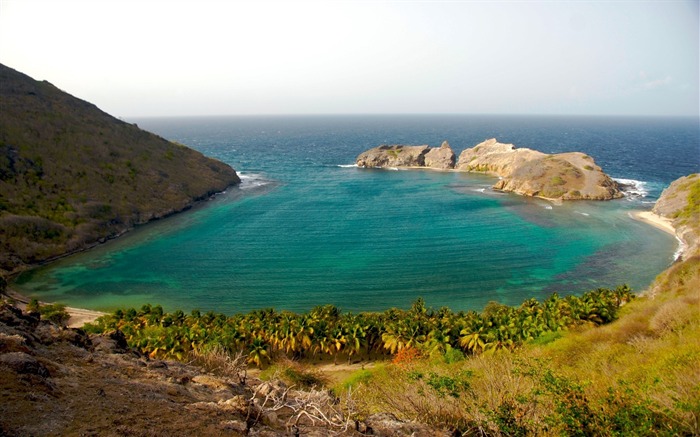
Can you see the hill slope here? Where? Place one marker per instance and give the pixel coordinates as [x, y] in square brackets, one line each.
[680, 203]
[72, 175]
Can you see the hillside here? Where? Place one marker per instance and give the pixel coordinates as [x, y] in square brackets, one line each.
[680, 203]
[72, 175]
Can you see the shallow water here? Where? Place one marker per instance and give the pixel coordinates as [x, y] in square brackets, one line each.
[306, 227]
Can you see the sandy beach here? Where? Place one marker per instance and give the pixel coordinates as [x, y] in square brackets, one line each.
[78, 316]
[655, 220]
[665, 225]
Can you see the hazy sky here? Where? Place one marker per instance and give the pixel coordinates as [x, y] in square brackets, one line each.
[205, 57]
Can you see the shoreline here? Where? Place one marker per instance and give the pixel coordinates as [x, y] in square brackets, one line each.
[80, 316]
[666, 225]
[655, 220]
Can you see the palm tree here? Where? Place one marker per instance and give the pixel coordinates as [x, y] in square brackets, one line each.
[438, 342]
[258, 352]
[355, 337]
[337, 342]
[472, 340]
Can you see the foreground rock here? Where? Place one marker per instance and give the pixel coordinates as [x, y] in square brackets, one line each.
[60, 381]
[563, 176]
[72, 176]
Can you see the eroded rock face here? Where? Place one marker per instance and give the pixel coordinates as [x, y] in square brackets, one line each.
[565, 176]
[397, 155]
[442, 158]
[393, 156]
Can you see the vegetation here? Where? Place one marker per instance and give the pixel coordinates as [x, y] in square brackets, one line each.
[55, 312]
[71, 175]
[639, 375]
[557, 367]
[692, 207]
[326, 332]
[557, 180]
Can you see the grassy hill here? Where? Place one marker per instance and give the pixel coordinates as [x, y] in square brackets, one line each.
[72, 175]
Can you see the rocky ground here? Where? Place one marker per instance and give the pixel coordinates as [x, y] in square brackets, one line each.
[61, 381]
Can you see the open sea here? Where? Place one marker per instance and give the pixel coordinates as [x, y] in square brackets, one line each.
[306, 227]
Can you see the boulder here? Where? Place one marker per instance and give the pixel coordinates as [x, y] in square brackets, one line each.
[22, 362]
[442, 158]
[388, 425]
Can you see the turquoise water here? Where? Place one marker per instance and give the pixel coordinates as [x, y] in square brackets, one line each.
[307, 228]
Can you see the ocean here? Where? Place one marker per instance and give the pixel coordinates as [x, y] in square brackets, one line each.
[306, 227]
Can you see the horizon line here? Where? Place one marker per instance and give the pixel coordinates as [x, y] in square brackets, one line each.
[412, 114]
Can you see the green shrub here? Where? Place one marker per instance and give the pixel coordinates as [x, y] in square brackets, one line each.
[33, 306]
[55, 313]
[362, 376]
[557, 180]
[453, 355]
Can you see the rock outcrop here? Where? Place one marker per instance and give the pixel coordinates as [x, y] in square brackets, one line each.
[394, 156]
[680, 203]
[59, 381]
[563, 176]
[441, 158]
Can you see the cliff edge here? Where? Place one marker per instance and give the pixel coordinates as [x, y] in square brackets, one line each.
[72, 176]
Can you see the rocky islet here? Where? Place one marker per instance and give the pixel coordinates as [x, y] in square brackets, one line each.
[562, 176]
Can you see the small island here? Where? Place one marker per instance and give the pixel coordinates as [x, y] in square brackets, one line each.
[561, 176]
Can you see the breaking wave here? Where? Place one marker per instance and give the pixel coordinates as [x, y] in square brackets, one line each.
[632, 188]
[252, 180]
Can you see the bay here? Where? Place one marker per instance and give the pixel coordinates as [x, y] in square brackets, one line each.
[307, 228]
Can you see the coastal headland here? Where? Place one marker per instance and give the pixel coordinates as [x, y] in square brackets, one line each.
[562, 176]
[677, 212]
[73, 176]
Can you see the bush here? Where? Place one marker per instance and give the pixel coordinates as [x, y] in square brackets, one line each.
[55, 313]
[33, 306]
[358, 377]
[453, 355]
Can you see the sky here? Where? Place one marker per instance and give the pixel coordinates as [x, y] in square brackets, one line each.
[226, 57]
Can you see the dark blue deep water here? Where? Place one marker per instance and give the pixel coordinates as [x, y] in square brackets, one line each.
[306, 227]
